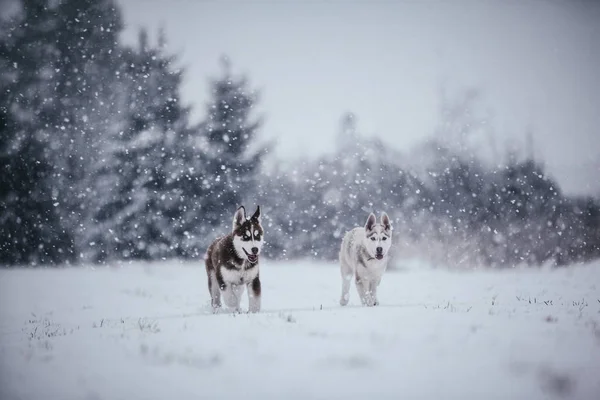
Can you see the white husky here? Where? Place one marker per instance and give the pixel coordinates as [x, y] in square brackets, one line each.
[364, 255]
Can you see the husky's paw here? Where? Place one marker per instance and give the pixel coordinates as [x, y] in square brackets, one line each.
[253, 310]
[344, 300]
[370, 302]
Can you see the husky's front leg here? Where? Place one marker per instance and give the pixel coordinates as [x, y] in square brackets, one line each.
[364, 291]
[373, 289]
[254, 292]
[232, 295]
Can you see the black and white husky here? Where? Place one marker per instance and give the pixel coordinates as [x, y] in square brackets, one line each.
[364, 256]
[232, 263]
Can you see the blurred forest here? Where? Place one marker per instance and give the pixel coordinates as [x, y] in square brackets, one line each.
[99, 162]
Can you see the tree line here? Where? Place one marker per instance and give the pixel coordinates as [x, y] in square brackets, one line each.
[99, 159]
[99, 162]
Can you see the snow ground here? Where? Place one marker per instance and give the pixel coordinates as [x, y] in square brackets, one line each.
[145, 332]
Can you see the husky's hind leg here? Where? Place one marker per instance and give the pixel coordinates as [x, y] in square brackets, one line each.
[213, 288]
[213, 284]
[347, 273]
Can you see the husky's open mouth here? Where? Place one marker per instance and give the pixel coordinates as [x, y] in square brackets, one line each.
[379, 256]
[251, 257]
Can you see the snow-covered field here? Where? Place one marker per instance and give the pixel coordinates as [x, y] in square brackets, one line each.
[145, 332]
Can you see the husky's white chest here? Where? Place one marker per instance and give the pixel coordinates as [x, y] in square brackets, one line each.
[372, 269]
[239, 275]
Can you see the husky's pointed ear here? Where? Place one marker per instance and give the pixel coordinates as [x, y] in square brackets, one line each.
[256, 214]
[385, 221]
[371, 221]
[239, 217]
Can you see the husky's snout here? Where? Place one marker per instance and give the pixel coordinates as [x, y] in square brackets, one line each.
[252, 257]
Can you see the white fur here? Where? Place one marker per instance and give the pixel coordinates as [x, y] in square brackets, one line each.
[232, 296]
[253, 301]
[358, 259]
[239, 245]
[239, 276]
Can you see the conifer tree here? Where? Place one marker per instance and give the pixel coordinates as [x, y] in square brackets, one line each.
[31, 230]
[233, 154]
[140, 183]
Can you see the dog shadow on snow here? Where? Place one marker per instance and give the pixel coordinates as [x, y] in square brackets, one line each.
[340, 308]
[207, 310]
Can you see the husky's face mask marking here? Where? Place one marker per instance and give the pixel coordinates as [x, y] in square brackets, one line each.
[247, 234]
[378, 236]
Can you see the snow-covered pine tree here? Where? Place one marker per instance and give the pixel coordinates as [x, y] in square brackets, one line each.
[140, 184]
[233, 153]
[31, 230]
[85, 105]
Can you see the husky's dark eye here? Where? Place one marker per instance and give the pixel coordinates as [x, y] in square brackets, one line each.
[373, 238]
[384, 238]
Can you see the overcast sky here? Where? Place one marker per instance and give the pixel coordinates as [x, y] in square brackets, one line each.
[536, 63]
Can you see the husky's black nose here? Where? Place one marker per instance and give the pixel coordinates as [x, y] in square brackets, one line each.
[379, 249]
[255, 250]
